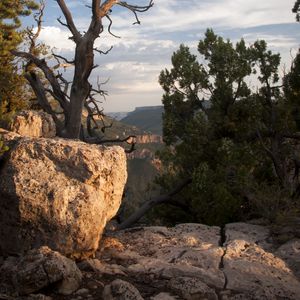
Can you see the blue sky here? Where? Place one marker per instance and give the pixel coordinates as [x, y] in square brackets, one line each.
[134, 64]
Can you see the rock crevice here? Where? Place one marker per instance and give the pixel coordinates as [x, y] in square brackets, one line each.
[223, 239]
[194, 261]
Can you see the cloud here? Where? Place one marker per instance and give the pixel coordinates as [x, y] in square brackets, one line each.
[144, 50]
[276, 41]
[57, 38]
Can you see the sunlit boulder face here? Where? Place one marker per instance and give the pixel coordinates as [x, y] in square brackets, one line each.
[34, 124]
[58, 193]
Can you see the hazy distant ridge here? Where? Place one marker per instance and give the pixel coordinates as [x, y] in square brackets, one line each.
[147, 118]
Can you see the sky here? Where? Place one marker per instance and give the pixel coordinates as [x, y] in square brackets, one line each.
[133, 65]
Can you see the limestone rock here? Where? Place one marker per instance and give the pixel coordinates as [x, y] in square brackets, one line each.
[149, 138]
[40, 268]
[191, 261]
[257, 273]
[290, 252]
[95, 265]
[250, 233]
[58, 193]
[164, 296]
[192, 288]
[33, 124]
[186, 250]
[121, 290]
[37, 297]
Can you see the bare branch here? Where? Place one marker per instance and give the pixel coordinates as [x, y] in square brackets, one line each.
[38, 17]
[40, 93]
[42, 65]
[273, 158]
[131, 140]
[151, 203]
[56, 56]
[106, 7]
[65, 83]
[135, 9]
[104, 52]
[61, 22]
[109, 27]
[33, 36]
[69, 19]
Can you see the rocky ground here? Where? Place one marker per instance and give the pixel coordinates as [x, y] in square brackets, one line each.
[59, 194]
[189, 261]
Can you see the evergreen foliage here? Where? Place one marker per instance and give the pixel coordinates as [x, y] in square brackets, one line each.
[296, 10]
[12, 84]
[238, 144]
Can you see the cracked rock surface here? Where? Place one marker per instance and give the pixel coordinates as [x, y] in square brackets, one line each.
[194, 261]
[253, 269]
[185, 262]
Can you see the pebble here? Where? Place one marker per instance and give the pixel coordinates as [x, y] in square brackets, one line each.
[82, 291]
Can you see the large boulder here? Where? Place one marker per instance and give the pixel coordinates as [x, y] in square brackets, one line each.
[34, 124]
[58, 193]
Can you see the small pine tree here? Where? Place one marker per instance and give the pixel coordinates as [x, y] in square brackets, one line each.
[230, 140]
[12, 84]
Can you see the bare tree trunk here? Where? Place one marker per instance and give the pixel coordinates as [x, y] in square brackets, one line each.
[136, 216]
[81, 92]
[80, 88]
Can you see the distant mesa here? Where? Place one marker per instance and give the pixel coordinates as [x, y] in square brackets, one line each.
[140, 108]
[117, 115]
[147, 118]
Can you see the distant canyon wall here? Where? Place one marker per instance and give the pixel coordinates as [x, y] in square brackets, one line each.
[149, 138]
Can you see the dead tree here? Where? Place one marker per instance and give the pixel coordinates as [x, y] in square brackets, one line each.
[81, 94]
[148, 205]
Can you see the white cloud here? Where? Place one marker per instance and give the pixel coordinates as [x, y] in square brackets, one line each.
[57, 38]
[137, 58]
[276, 41]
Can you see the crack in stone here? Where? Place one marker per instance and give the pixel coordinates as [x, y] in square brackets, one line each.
[178, 256]
[222, 243]
[45, 270]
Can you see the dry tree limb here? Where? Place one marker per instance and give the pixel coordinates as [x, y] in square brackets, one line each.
[136, 216]
[75, 95]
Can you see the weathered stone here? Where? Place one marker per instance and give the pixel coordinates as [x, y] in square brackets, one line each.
[58, 193]
[82, 291]
[250, 233]
[37, 297]
[290, 252]
[40, 268]
[34, 124]
[95, 265]
[164, 296]
[188, 261]
[121, 290]
[186, 250]
[7, 271]
[251, 270]
[191, 288]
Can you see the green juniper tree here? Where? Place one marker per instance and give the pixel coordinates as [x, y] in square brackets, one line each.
[12, 83]
[236, 144]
